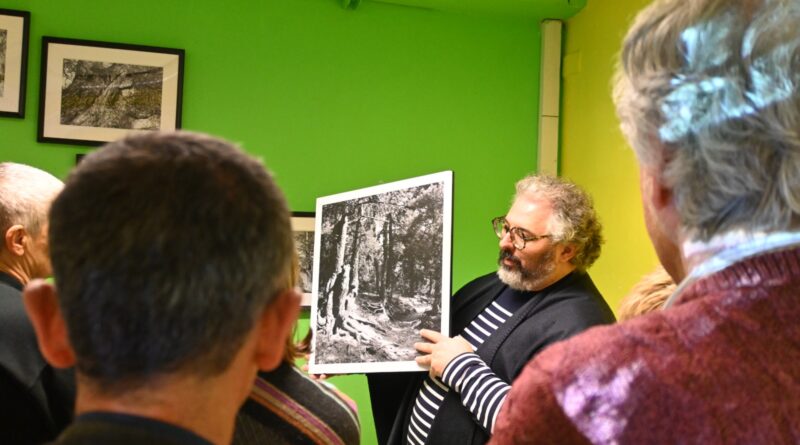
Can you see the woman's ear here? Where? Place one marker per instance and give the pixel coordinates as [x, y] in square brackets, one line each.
[41, 304]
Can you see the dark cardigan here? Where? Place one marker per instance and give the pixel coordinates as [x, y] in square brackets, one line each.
[566, 308]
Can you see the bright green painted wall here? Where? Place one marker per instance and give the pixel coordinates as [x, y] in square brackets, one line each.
[332, 99]
[593, 151]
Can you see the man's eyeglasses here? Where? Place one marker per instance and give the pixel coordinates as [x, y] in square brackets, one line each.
[519, 236]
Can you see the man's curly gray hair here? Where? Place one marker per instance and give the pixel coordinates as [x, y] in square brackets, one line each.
[573, 221]
[710, 88]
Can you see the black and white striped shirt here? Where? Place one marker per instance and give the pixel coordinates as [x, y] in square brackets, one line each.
[482, 392]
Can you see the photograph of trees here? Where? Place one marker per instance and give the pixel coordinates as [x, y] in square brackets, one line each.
[380, 275]
[111, 95]
[304, 243]
[3, 40]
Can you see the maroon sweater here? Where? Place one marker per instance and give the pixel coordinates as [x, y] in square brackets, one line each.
[720, 366]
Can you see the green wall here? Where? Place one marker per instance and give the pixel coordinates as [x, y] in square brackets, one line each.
[593, 151]
[331, 99]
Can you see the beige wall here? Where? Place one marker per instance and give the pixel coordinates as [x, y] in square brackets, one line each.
[593, 151]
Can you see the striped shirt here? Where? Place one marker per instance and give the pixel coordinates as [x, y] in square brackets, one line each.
[482, 392]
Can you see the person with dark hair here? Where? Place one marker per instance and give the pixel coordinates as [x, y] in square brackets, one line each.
[540, 294]
[36, 400]
[171, 254]
[708, 95]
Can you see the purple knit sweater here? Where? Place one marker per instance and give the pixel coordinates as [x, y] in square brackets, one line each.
[721, 366]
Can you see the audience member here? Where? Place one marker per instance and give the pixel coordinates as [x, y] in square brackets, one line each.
[286, 406]
[541, 294]
[37, 400]
[708, 97]
[648, 295]
[171, 254]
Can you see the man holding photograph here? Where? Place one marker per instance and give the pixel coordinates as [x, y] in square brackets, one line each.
[540, 294]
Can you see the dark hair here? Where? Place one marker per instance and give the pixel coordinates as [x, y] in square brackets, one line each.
[165, 248]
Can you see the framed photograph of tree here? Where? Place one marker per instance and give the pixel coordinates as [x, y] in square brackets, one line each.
[14, 30]
[381, 273]
[303, 230]
[95, 92]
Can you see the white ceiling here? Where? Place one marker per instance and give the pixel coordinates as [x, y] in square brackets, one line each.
[528, 9]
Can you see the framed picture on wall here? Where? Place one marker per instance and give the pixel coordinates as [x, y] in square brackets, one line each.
[381, 273]
[14, 30]
[303, 230]
[95, 92]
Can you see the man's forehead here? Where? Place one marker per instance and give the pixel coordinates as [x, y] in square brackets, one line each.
[529, 210]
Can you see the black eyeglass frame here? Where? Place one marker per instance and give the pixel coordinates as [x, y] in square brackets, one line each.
[501, 227]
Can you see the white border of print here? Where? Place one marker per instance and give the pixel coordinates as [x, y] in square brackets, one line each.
[446, 178]
[304, 222]
[15, 48]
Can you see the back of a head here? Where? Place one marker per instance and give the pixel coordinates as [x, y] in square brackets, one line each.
[715, 83]
[648, 295]
[574, 219]
[25, 196]
[165, 248]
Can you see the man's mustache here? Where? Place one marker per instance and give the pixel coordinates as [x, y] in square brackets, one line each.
[504, 254]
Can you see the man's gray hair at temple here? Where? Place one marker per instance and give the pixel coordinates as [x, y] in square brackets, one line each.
[720, 110]
[25, 196]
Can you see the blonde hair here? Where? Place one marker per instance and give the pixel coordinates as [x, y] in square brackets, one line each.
[648, 295]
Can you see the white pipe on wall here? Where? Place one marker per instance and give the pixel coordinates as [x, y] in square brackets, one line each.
[549, 97]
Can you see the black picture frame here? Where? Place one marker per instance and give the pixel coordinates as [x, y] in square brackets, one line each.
[14, 35]
[303, 227]
[95, 92]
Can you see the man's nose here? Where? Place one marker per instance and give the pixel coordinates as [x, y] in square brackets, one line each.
[506, 242]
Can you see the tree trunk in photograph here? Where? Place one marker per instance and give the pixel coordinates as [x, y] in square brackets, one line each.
[388, 267]
[354, 254]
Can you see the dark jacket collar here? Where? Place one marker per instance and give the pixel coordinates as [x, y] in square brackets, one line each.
[11, 281]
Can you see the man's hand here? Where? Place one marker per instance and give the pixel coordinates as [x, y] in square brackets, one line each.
[440, 351]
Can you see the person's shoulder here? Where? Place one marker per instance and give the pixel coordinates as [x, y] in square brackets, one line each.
[602, 350]
[577, 381]
[577, 300]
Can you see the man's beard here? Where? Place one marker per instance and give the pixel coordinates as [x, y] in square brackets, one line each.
[523, 279]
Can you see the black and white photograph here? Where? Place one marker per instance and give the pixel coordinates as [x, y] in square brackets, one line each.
[381, 273]
[303, 231]
[111, 95]
[3, 40]
[94, 92]
[14, 30]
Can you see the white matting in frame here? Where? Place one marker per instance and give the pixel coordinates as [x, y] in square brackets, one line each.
[381, 273]
[125, 89]
[303, 232]
[14, 32]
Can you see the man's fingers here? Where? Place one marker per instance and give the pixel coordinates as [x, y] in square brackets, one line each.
[433, 336]
[424, 360]
[427, 348]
